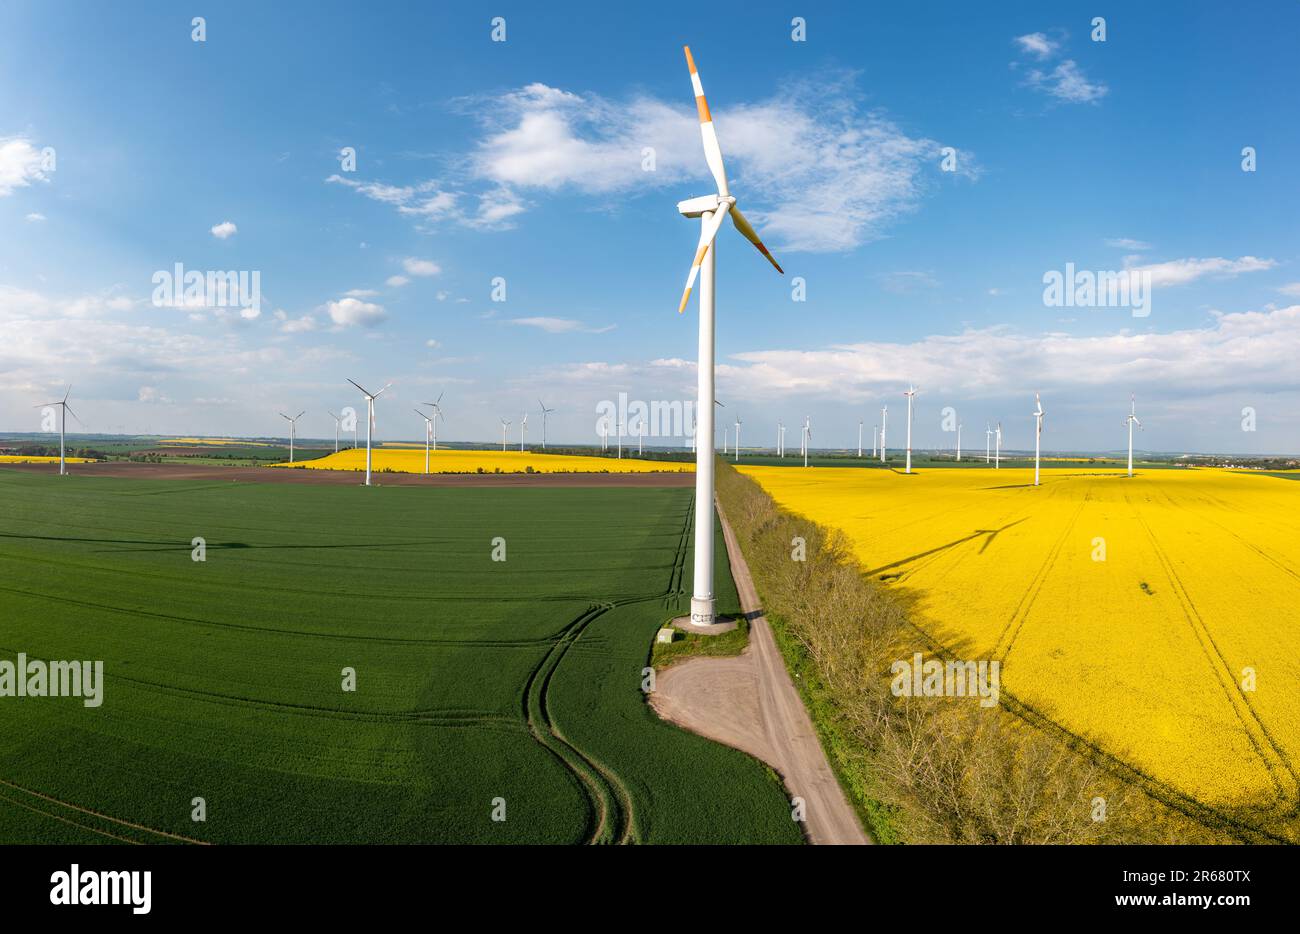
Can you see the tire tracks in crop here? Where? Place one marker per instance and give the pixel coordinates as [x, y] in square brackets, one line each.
[611, 803]
[1011, 631]
[117, 821]
[1257, 732]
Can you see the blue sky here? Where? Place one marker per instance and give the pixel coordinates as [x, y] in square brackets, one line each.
[523, 160]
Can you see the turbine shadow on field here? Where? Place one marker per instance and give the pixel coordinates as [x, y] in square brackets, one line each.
[991, 533]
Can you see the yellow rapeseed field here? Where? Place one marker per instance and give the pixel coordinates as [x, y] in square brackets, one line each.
[459, 461]
[1128, 611]
[215, 441]
[41, 459]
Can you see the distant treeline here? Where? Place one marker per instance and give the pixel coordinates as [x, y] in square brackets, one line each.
[45, 450]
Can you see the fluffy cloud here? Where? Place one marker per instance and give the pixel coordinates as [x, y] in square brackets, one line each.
[35, 218]
[1067, 82]
[558, 325]
[1124, 243]
[349, 312]
[420, 267]
[21, 163]
[1183, 271]
[225, 230]
[818, 173]
[1037, 44]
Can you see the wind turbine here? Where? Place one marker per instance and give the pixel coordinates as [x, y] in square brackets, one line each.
[997, 452]
[619, 424]
[737, 439]
[504, 426]
[780, 439]
[63, 424]
[1038, 432]
[428, 433]
[988, 434]
[884, 421]
[640, 437]
[370, 419]
[712, 211]
[338, 421]
[437, 414]
[959, 442]
[1131, 419]
[875, 432]
[911, 394]
[293, 427]
[523, 430]
[859, 437]
[545, 413]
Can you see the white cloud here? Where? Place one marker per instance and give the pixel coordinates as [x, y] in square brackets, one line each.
[1124, 243]
[21, 163]
[225, 230]
[298, 325]
[1183, 271]
[152, 394]
[1067, 82]
[432, 344]
[1291, 288]
[35, 218]
[396, 281]
[361, 293]
[1246, 351]
[348, 312]
[1037, 44]
[420, 267]
[558, 325]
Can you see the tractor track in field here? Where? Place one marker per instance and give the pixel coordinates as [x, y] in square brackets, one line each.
[117, 821]
[1227, 680]
[1011, 631]
[611, 803]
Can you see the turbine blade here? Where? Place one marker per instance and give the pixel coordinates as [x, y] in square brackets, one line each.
[301, 414]
[712, 151]
[68, 393]
[707, 234]
[747, 230]
[382, 391]
[67, 408]
[359, 386]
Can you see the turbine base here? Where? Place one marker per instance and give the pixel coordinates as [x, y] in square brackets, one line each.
[702, 611]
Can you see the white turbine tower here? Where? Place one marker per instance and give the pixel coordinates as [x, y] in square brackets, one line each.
[428, 435]
[1131, 420]
[63, 424]
[546, 413]
[738, 439]
[436, 405]
[997, 452]
[959, 442]
[807, 438]
[859, 437]
[640, 437]
[875, 432]
[884, 420]
[523, 431]
[293, 430]
[338, 421]
[911, 394]
[988, 440]
[712, 210]
[370, 419]
[780, 439]
[1038, 432]
[505, 425]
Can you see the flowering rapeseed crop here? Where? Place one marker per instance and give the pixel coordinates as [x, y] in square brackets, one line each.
[459, 461]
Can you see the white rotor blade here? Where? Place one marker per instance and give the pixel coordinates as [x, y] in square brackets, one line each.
[707, 234]
[747, 230]
[359, 386]
[712, 151]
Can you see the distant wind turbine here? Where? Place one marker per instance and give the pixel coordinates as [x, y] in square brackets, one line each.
[807, 438]
[988, 435]
[436, 405]
[997, 452]
[738, 439]
[338, 421]
[1038, 432]
[505, 425]
[884, 421]
[911, 394]
[370, 420]
[1131, 419]
[780, 439]
[959, 442]
[523, 431]
[428, 434]
[859, 437]
[63, 424]
[546, 413]
[293, 428]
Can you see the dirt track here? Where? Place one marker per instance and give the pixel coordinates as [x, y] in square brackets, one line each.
[749, 702]
[140, 471]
